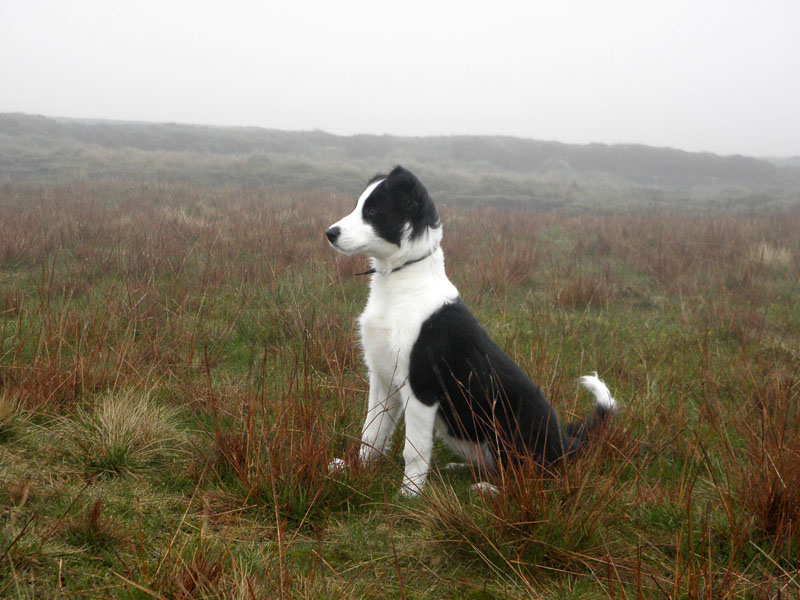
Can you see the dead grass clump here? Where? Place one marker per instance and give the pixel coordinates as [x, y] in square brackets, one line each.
[9, 409]
[92, 530]
[200, 575]
[12, 416]
[771, 256]
[585, 291]
[769, 478]
[124, 433]
[193, 566]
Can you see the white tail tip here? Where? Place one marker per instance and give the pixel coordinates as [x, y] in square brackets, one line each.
[602, 396]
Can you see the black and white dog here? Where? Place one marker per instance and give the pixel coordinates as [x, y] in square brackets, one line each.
[428, 357]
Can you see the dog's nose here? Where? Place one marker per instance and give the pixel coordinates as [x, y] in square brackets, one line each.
[333, 234]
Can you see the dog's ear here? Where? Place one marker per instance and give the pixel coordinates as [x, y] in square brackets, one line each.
[412, 197]
[407, 189]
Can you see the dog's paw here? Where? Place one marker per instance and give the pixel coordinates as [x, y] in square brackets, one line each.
[484, 487]
[337, 466]
[409, 490]
[456, 466]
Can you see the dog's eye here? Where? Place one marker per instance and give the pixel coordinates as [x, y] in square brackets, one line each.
[370, 211]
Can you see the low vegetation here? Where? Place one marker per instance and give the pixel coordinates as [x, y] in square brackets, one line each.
[479, 170]
[178, 366]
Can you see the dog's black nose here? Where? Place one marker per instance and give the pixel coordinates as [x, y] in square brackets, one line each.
[333, 234]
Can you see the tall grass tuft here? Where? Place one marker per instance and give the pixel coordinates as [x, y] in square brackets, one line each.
[768, 485]
[584, 291]
[11, 415]
[125, 433]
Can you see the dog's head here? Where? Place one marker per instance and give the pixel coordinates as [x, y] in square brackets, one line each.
[394, 220]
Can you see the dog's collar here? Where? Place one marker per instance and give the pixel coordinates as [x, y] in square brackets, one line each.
[405, 264]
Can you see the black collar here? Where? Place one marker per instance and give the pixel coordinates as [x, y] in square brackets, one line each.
[405, 264]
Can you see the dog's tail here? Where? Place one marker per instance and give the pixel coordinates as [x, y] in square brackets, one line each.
[605, 407]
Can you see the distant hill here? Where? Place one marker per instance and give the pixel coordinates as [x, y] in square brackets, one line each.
[465, 168]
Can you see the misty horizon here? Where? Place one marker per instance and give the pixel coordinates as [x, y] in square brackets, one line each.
[699, 77]
[212, 126]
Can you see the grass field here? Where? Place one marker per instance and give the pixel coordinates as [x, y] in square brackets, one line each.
[178, 366]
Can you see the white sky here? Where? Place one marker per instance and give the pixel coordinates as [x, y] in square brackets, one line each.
[720, 76]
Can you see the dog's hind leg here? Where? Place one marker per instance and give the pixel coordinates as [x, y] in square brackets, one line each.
[477, 455]
[382, 415]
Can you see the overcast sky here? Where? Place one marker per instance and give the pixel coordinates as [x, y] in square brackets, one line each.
[704, 75]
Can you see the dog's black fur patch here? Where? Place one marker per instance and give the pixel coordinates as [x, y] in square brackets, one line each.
[483, 395]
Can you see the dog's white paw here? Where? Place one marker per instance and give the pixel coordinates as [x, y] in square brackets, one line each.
[409, 490]
[337, 466]
[484, 487]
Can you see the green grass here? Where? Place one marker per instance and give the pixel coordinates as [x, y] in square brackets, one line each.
[178, 365]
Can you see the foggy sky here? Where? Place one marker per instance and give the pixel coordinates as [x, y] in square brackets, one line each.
[698, 75]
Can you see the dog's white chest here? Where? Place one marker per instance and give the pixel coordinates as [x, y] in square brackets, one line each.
[393, 317]
[387, 343]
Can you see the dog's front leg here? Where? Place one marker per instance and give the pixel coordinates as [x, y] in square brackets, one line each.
[382, 415]
[420, 420]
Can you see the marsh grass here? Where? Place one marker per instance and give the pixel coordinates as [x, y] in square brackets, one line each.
[178, 366]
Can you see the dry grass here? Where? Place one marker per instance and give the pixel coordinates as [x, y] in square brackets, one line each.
[124, 433]
[9, 410]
